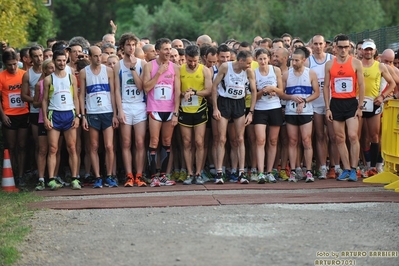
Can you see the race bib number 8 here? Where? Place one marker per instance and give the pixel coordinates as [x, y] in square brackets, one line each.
[343, 85]
[15, 100]
[163, 92]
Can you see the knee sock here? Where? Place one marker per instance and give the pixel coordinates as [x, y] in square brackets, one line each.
[165, 153]
[374, 148]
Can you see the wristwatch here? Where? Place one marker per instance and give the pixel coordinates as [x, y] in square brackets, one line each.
[176, 114]
[133, 68]
[79, 116]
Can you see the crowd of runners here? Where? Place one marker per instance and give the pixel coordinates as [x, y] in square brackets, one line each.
[138, 113]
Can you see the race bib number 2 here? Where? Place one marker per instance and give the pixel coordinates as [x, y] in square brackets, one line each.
[15, 100]
[163, 92]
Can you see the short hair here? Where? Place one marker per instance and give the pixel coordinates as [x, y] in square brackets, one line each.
[35, 48]
[297, 41]
[145, 38]
[211, 50]
[359, 42]
[397, 54]
[193, 50]
[24, 52]
[341, 37]
[302, 51]
[46, 50]
[58, 53]
[223, 48]
[275, 40]
[127, 37]
[51, 40]
[159, 42]
[181, 51]
[79, 40]
[245, 45]
[260, 51]
[204, 47]
[243, 55]
[9, 55]
[286, 35]
[107, 45]
[266, 40]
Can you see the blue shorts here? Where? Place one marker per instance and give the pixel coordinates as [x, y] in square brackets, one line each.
[100, 121]
[61, 120]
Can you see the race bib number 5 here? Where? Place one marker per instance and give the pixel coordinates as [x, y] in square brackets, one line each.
[15, 100]
[343, 85]
[163, 92]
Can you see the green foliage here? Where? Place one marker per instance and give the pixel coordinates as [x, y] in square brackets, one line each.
[330, 17]
[40, 26]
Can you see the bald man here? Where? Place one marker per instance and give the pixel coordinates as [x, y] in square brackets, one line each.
[204, 39]
[387, 57]
[174, 56]
[178, 44]
[149, 52]
[139, 53]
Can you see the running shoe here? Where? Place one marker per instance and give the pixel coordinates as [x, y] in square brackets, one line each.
[292, 177]
[129, 180]
[254, 177]
[331, 173]
[352, 176]
[75, 184]
[323, 173]
[338, 172]
[283, 175]
[98, 183]
[155, 182]
[165, 181]
[275, 173]
[343, 176]
[40, 186]
[139, 181]
[270, 178]
[261, 178]
[219, 179]
[53, 184]
[372, 171]
[199, 180]
[182, 176]
[233, 177]
[189, 180]
[243, 178]
[175, 176]
[309, 177]
[61, 181]
[204, 176]
[110, 182]
[299, 173]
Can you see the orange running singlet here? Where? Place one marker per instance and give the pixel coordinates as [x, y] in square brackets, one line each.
[343, 80]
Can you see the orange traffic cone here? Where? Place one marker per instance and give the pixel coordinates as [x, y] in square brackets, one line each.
[7, 183]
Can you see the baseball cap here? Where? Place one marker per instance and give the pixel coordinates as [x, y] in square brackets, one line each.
[368, 44]
[59, 46]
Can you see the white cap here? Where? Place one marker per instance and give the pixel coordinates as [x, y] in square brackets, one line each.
[368, 44]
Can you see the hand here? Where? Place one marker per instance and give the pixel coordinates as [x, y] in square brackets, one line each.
[75, 122]
[6, 120]
[359, 113]
[299, 108]
[378, 101]
[163, 68]
[85, 124]
[113, 26]
[216, 114]
[133, 61]
[248, 119]
[47, 124]
[296, 99]
[188, 94]
[122, 117]
[174, 120]
[115, 122]
[329, 115]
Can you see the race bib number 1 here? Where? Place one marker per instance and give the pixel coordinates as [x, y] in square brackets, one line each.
[343, 85]
[163, 92]
[15, 100]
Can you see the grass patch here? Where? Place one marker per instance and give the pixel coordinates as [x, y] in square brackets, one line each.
[13, 227]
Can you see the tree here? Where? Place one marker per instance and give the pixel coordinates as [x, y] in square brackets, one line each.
[14, 20]
[341, 17]
[40, 26]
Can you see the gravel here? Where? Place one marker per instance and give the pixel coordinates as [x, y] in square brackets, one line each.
[270, 234]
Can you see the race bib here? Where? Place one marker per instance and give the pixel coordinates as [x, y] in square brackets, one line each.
[368, 104]
[235, 92]
[163, 92]
[343, 85]
[96, 101]
[192, 101]
[15, 100]
[130, 92]
[291, 107]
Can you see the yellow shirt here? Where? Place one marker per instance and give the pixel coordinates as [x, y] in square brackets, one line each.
[254, 65]
[196, 81]
[372, 80]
